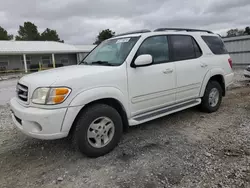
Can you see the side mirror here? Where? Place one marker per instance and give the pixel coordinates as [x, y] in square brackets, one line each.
[143, 60]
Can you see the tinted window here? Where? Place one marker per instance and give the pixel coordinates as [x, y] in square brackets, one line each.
[183, 47]
[215, 44]
[156, 46]
[197, 49]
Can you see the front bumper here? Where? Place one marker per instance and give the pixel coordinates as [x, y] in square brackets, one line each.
[38, 123]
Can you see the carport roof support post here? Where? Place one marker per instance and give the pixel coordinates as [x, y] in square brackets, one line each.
[53, 61]
[25, 63]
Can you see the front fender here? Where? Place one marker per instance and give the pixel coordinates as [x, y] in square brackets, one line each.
[211, 73]
[87, 96]
[94, 94]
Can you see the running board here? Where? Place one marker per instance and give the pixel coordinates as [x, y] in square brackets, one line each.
[142, 118]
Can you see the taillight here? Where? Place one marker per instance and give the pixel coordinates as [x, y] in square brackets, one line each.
[230, 62]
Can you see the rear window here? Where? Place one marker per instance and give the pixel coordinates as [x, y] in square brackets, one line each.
[215, 44]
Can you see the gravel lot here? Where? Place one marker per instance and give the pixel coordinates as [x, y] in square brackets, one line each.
[186, 149]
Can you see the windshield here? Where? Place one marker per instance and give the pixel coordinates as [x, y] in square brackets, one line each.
[111, 52]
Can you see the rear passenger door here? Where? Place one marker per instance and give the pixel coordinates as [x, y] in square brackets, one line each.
[190, 70]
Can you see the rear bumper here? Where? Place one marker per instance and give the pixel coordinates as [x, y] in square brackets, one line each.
[247, 74]
[229, 79]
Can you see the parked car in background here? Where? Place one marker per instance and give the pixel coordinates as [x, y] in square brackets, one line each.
[127, 80]
[247, 72]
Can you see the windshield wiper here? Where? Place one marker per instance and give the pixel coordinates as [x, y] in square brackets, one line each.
[103, 63]
[83, 63]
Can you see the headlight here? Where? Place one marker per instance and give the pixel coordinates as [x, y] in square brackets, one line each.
[50, 95]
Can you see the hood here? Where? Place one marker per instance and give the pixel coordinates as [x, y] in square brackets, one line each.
[63, 74]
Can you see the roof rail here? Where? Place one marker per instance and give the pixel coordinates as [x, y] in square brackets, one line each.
[183, 29]
[134, 32]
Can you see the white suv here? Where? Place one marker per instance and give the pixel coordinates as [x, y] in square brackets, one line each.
[125, 81]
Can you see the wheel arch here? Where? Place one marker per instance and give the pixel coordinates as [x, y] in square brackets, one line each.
[110, 102]
[215, 75]
[109, 96]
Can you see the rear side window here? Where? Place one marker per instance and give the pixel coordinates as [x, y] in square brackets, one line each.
[215, 44]
[197, 49]
[184, 47]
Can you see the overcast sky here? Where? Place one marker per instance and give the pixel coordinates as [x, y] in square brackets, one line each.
[79, 21]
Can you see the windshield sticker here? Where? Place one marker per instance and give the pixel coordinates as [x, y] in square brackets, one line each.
[122, 40]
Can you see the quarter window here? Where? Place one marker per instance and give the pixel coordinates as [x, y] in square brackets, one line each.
[184, 47]
[215, 44]
[157, 46]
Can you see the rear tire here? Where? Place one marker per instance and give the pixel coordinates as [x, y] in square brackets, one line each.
[212, 97]
[98, 130]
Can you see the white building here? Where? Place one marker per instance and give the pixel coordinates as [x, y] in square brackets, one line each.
[27, 55]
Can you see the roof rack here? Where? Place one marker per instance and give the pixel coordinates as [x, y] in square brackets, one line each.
[183, 29]
[133, 32]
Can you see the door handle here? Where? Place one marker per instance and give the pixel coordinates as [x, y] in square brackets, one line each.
[203, 65]
[167, 71]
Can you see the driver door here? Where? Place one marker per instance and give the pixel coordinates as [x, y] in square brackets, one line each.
[152, 87]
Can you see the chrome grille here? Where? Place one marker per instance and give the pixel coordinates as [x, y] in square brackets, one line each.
[22, 92]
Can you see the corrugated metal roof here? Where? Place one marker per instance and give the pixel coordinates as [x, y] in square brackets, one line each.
[39, 47]
[244, 37]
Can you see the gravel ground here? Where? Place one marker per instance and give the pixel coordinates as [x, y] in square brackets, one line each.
[7, 90]
[186, 149]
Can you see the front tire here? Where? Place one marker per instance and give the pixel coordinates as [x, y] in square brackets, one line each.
[212, 97]
[98, 130]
